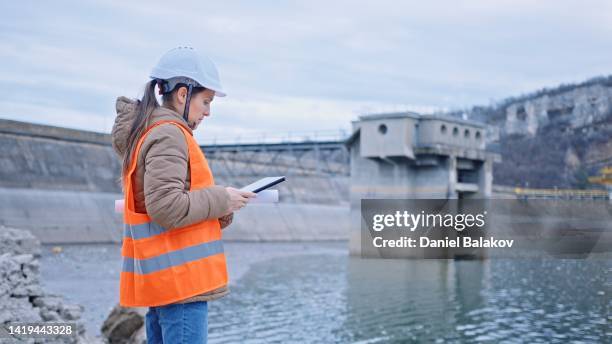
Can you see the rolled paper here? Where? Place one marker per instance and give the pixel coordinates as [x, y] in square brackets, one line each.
[265, 196]
[119, 206]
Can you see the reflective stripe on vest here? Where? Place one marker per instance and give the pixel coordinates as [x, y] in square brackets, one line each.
[143, 230]
[170, 259]
[166, 265]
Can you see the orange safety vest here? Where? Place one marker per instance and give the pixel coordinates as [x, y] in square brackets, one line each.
[163, 266]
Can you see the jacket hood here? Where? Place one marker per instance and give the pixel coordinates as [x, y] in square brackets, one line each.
[126, 113]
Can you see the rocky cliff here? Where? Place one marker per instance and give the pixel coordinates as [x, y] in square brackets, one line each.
[550, 138]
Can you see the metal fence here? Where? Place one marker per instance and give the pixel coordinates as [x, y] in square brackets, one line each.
[285, 137]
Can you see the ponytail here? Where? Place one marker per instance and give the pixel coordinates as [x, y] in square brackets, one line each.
[143, 112]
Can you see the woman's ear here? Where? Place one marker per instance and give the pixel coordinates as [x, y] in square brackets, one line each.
[181, 96]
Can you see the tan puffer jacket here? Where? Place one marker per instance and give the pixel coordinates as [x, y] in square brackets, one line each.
[162, 179]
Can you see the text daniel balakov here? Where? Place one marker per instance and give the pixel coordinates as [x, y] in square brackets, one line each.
[425, 242]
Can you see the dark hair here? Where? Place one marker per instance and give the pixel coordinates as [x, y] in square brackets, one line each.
[144, 109]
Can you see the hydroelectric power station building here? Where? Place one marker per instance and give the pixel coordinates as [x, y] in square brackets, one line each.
[408, 155]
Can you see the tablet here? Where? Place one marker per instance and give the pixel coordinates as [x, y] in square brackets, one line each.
[263, 184]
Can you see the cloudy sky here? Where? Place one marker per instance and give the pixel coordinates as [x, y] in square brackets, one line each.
[292, 66]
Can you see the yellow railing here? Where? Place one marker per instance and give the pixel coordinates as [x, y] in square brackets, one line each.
[604, 178]
[561, 193]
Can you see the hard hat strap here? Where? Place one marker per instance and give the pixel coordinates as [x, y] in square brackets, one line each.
[187, 101]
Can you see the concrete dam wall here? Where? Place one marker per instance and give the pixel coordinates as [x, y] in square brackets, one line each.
[61, 184]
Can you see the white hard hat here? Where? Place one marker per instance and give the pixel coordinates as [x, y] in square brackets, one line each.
[185, 62]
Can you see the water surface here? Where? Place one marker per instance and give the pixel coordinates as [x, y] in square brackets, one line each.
[316, 293]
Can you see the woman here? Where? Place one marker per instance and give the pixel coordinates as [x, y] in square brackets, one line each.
[173, 260]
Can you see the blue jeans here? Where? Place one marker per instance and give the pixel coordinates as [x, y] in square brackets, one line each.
[185, 323]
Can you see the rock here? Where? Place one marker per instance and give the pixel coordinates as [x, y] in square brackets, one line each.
[23, 258]
[18, 309]
[48, 315]
[139, 337]
[21, 296]
[19, 291]
[34, 290]
[7, 266]
[15, 242]
[122, 325]
[71, 312]
[48, 302]
[4, 291]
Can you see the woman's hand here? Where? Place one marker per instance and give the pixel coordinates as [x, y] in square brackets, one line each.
[238, 198]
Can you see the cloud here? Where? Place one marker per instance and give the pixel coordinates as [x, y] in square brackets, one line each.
[62, 117]
[294, 65]
[287, 116]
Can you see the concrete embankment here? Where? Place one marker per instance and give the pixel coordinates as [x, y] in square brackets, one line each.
[290, 222]
[61, 185]
[56, 216]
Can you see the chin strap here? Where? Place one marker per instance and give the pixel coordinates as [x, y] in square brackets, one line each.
[187, 101]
